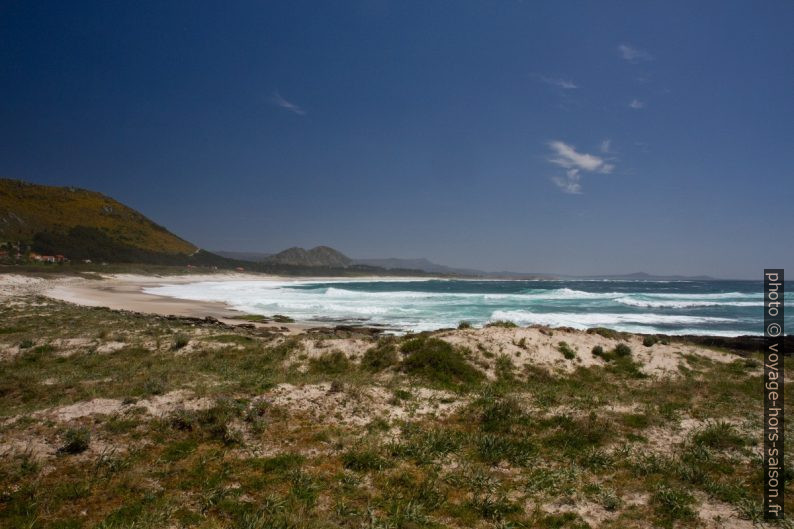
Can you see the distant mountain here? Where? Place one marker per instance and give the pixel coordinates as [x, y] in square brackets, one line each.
[251, 257]
[318, 257]
[421, 264]
[326, 257]
[642, 276]
[81, 224]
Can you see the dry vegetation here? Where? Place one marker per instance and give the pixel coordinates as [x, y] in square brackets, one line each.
[26, 209]
[119, 420]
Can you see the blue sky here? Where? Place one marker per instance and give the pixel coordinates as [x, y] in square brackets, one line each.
[568, 137]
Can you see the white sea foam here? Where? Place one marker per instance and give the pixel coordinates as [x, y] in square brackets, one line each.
[341, 300]
[585, 320]
[632, 302]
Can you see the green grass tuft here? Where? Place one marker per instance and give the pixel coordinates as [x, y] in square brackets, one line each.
[439, 362]
[180, 341]
[75, 441]
[380, 357]
[333, 363]
[566, 350]
[507, 324]
[364, 460]
[673, 504]
[719, 435]
[650, 340]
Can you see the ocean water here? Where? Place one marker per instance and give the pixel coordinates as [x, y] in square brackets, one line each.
[726, 308]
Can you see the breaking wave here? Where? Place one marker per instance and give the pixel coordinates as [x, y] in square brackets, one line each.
[419, 304]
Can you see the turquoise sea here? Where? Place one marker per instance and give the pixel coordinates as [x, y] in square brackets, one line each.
[726, 308]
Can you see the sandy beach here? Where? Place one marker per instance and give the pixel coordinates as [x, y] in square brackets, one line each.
[126, 292]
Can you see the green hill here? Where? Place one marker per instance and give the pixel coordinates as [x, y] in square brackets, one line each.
[83, 224]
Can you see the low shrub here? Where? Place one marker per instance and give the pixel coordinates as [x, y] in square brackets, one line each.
[216, 421]
[333, 363]
[627, 367]
[180, 341]
[622, 350]
[575, 434]
[507, 324]
[566, 350]
[606, 333]
[380, 357]
[75, 441]
[650, 340]
[499, 413]
[285, 348]
[154, 386]
[438, 361]
[504, 368]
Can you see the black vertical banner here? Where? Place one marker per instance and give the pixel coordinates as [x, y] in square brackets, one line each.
[773, 394]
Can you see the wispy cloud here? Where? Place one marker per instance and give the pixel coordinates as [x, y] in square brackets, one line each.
[569, 183]
[565, 84]
[606, 146]
[636, 104]
[279, 101]
[575, 163]
[633, 55]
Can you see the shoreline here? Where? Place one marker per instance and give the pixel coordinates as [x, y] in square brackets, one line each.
[126, 292]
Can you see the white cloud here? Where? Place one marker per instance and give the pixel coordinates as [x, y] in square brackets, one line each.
[636, 104]
[567, 156]
[569, 183]
[279, 101]
[565, 84]
[574, 163]
[634, 55]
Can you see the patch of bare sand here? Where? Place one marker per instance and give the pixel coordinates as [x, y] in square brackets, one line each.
[714, 514]
[353, 348]
[42, 447]
[111, 347]
[537, 346]
[591, 512]
[157, 406]
[359, 406]
[16, 285]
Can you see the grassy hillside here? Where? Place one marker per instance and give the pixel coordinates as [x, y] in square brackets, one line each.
[65, 218]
